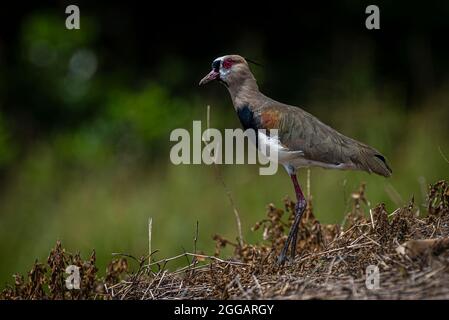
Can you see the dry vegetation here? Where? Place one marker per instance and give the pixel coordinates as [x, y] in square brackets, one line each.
[410, 251]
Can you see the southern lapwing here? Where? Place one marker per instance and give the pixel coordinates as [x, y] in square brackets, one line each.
[302, 141]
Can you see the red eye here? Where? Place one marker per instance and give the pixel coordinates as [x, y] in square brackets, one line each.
[227, 63]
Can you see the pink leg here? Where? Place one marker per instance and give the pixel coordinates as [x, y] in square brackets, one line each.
[293, 234]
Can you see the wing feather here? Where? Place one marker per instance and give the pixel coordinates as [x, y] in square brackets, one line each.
[301, 131]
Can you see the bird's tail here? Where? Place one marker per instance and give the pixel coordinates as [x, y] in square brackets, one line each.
[372, 160]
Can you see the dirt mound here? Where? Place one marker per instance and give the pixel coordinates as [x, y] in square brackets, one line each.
[397, 255]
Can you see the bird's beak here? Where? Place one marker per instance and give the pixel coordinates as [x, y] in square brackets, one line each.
[213, 75]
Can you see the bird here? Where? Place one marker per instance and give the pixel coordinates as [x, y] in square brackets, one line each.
[302, 139]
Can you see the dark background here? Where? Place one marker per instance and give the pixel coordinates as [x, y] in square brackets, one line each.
[85, 115]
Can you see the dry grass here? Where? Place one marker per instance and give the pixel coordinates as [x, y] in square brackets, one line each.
[331, 264]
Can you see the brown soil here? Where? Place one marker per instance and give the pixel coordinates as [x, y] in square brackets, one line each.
[410, 252]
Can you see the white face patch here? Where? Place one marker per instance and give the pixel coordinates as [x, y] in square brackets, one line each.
[223, 72]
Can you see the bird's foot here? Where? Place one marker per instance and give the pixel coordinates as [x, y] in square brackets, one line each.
[292, 236]
[282, 259]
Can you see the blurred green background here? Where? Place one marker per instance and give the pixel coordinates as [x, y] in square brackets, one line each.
[85, 117]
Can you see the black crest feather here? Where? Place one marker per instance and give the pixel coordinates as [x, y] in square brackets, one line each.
[254, 62]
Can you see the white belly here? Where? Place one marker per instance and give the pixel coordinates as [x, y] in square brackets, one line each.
[271, 148]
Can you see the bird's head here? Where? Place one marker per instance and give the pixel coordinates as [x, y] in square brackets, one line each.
[230, 70]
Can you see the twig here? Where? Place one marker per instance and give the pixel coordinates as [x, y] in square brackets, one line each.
[372, 217]
[258, 286]
[197, 256]
[308, 183]
[394, 195]
[150, 228]
[228, 192]
[196, 238]
[442, 154]
[125, 255]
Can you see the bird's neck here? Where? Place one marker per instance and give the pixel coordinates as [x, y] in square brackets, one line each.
[242, 93]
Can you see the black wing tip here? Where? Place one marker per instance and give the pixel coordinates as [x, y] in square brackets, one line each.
[382, 158]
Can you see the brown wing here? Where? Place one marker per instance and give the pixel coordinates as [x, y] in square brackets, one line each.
[299, 130]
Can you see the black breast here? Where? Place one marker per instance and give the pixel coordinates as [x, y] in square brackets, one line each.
[248, 121]
[246, 117]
